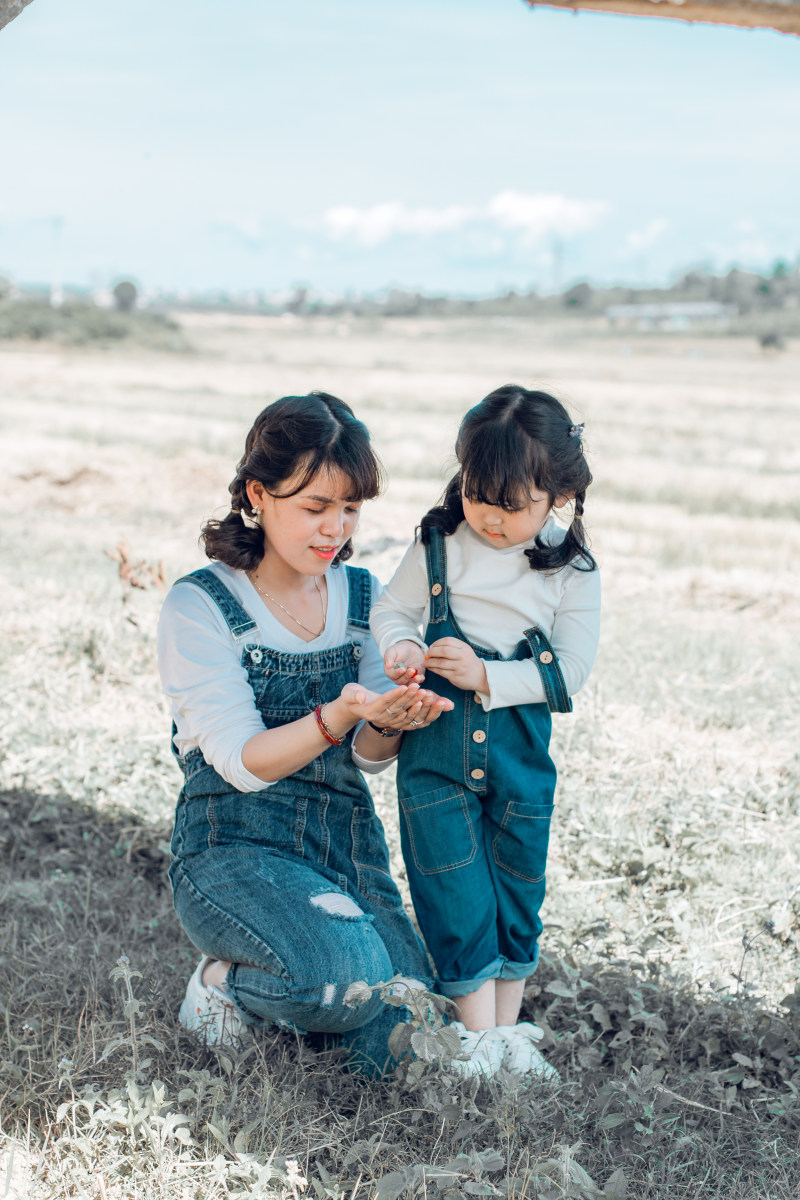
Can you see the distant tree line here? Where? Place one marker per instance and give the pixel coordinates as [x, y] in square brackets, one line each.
[748, 290]
[767, 305]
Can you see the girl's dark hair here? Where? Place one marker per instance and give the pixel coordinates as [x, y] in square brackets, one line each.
[511, 442]
[294, 438]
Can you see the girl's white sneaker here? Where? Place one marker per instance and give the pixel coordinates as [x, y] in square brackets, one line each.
[483, 1049]
[210, 1012]
[521, 1052]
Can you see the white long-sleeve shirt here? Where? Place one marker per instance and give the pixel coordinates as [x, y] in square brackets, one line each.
[212, 703]
[495, 597]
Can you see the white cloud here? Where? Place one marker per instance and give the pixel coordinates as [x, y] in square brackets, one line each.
[534, 215]
[542, 213]
[371, 226]
[643, 239]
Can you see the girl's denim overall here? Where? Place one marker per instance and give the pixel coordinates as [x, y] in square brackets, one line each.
[476, 797]
[291, 884]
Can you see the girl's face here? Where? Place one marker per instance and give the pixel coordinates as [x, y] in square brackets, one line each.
[306, 531]
[504, 529]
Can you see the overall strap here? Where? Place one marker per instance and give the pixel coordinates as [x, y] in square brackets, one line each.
[359, 589]
[555, 689]
[239, 622]
[436, 562]
[359, 602]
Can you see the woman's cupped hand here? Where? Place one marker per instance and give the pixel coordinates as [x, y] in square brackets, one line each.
[407, 707]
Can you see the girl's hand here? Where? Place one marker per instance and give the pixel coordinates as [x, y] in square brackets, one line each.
[405, 661]
[403, 708]
[429, 708]
[459, 663]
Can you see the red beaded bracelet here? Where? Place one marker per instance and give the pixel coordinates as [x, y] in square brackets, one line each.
[325, 730]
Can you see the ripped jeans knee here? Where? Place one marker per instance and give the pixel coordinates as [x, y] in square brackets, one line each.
[297, 940]
[331, 945]
[336, 904]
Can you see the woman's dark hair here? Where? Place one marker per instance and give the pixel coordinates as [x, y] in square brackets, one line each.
[511, 442]
[294, 438]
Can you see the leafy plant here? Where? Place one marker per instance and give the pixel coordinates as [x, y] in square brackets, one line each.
[422, 1037]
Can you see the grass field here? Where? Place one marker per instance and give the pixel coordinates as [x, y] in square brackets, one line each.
[672, 939]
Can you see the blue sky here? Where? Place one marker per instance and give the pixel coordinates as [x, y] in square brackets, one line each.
[442, 145]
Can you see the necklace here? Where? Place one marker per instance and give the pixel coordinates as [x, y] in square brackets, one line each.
[283, 607]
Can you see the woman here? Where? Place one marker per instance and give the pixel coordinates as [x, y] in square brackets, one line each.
[279, 700]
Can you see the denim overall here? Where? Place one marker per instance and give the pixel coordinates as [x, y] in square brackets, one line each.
[476, 798]
[292, 884]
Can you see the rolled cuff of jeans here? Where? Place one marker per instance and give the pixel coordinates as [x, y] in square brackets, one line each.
[514, 970]
[463, 987]
[501, 968]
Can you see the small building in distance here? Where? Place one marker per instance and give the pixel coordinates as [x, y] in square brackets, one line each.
[672, 315]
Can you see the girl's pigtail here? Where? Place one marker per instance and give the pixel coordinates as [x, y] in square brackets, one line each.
[447, 515]
[231, 540]
[573, 550]
[577, 534]
[576, 525]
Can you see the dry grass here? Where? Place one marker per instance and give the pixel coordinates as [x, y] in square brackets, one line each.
[672, 916]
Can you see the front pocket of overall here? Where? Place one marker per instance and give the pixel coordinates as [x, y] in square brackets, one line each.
[272, 819]
[282, 692]
[520, 844]
[439, 829]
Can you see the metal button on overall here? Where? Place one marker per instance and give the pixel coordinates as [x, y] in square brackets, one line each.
[256, 656]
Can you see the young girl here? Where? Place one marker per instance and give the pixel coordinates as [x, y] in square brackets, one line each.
[510, 604]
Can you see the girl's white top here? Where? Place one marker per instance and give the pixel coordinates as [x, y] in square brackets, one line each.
[495, 596]
[212, 703]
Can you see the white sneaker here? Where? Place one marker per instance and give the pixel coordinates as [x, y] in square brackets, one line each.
[484, 1051]
[210, 1011]
[521, 1053]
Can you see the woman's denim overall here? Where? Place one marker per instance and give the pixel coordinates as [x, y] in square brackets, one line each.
[476, 797]
[291, 884]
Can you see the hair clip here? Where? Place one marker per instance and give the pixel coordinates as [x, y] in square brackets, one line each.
[576, 430]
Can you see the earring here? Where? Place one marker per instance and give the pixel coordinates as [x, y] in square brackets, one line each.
[250, 519]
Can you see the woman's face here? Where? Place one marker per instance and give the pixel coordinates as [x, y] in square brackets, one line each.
[307, 530]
